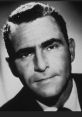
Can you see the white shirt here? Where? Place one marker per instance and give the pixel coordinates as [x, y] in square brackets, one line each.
[72, 103]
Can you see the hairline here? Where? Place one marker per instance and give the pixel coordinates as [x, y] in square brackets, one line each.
[48, 13]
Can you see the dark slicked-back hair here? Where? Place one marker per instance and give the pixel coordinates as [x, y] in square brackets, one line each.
[27, 13]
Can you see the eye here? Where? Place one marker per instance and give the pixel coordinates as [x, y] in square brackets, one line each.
[26, 55]
[23, 55]
[55, 45]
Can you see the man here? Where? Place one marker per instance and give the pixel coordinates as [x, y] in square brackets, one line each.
[40, 54]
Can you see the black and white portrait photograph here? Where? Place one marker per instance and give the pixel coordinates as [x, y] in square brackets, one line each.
[40, 56]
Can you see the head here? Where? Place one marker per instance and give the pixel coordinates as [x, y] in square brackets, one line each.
[40, 53]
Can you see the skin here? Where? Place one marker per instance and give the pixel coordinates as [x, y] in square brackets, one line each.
[43, 58]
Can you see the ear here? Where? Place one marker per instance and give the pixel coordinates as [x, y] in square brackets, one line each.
[12, 66]
[72, 48]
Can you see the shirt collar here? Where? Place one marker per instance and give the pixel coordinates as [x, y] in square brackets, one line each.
[73, 101]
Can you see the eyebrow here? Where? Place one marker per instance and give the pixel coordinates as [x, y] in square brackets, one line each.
[51, 41]
[32, 49]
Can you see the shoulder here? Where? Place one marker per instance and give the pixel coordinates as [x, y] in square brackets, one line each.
[16, 103]
[77, 75]
[23, 101]
[78, 81]
[77, 78]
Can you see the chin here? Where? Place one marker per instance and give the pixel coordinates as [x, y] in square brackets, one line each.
[50, 89]
[50, 92]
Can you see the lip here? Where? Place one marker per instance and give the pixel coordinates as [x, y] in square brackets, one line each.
[44, 79]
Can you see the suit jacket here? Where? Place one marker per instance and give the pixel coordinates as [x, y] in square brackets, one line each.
[24, 101]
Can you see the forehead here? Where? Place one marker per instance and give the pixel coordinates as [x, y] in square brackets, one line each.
[36, 32]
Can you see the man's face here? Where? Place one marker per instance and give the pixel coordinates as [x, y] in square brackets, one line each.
[43, 58]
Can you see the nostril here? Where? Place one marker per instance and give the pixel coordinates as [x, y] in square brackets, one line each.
[39, 70]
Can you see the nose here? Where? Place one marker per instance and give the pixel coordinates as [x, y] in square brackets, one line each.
[40, 63]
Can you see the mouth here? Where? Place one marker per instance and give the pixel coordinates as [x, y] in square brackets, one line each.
[44, 79]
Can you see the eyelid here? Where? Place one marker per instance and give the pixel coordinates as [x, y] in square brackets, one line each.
[53, 45]
[27, 54]
[23, 54]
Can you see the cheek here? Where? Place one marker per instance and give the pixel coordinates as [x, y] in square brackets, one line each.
[24, 69]
[59, 61]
